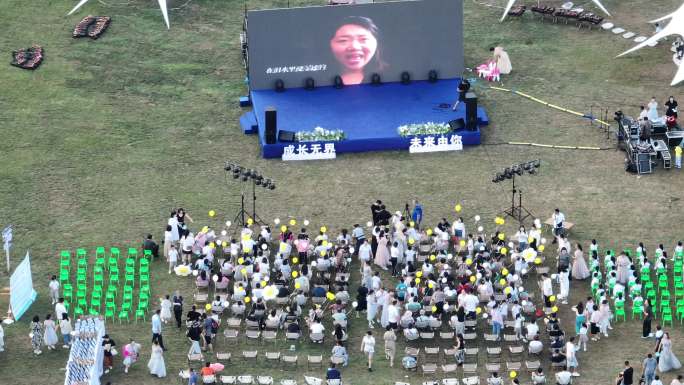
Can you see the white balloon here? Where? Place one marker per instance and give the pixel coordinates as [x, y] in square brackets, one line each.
[450, 257]
[214, 278]
[369, 224]
[524, 271]
[225, 304]
[355, 304]
[195, 273]
[224, 233]
[446, 307]
[228, 223]
[482, 248]
[543, 241]
[480, 229]
[276, 221]
[314, 263]
[478, 275]
[511, 245]
[306, 222]
[264, 246]
[351, 250]
[524, 303]
[444, 280]
[521, 289]
[348, 260]
[477, 218]
[554, 276]
[485, 315]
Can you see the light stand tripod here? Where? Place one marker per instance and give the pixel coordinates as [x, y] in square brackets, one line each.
[518, 212]
[256, 179]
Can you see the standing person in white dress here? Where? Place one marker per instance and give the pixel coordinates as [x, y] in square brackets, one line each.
[372, 309]
[166, 313]
[65, 328]
[653, 110]
[54, 289]
[60, 308]
[50, 333]
[564, 280]
[172, 258]
[168, 241]
[156, 363]
[173, 222]
[368, 347]
[2, 339]
[668, 361]
[558, 219]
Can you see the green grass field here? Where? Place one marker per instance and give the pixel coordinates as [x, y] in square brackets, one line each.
[102, 141]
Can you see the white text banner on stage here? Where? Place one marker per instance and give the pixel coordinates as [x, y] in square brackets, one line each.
[309, 151]
[435, 144]
[22, 294]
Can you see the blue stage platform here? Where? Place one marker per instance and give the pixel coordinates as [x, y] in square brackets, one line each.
[369, 115]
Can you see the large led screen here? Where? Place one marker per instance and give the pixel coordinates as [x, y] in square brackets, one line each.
[355, 42]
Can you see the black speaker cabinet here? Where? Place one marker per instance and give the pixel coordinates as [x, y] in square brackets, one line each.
[471, 111]
[271, 125]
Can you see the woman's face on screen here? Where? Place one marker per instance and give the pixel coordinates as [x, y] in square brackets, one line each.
[353, 46]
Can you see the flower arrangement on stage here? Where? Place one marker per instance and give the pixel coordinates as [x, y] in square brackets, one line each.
[429, 128]
[320, 134]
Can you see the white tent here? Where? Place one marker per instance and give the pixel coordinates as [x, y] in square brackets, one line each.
[674, 27]
[512, 2]
[162, 6]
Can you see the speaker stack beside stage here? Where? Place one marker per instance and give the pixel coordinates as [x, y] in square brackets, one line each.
[471, 111]
[271, 125]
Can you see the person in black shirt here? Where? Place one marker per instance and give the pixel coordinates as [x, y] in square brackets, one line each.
[149, 244]
[627, 374]
[193, 314]
[178, 308]
[463, 88]
[671, 105]
[375, 209]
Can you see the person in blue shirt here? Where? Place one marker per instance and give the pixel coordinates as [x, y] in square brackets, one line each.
[417, 213]
[401, 291]
[193, 378]
[333, 373]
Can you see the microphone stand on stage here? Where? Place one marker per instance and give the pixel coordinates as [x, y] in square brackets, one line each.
[517, 211]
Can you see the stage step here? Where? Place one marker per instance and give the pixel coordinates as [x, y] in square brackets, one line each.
[248, 123]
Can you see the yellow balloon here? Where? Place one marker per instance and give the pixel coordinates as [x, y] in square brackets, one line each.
[507, 290]
[503, 250]
[434, 309]
[411, 241]
[502, 236]
[243, 271]
[294, 274]
[248, 250]
[212, 245]
[324, 243]
[245, 237]
[250, 221]
[502, 282]
[207, 306]
[504, 271]
[433, 257]
[224, 243]
[412, 224]
[298, 285]
[502, 222]
[264, 283]
[324, 229]
[530, 239]
[330, 296]
[541, 247]
[513, 374]
[419, 274]
[537, 261]
[554, 309]
[417, 280]
[283, 228]
[462, 242]
[295, 260]
[428, 232]
[458, 208]
[469, 261]
[430, 285]
[212, 213]
[473, 278]
[322, 253]
[247, 299]
[205, 229]
[283, 247]
[552, 298]
[478, 310]
[293, 222]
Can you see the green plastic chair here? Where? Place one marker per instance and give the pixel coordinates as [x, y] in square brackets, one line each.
[94, 312]
[637, 309]
[140, 313]
[113, 269]
[109, 313]
[82, 303]
[124, 314]
[130, 270]
[65, 263]
[99, 252]
[63, 277]
[114, 279]
[132, 253]
[620, 312]
[667, 316]
[144, 270]
[98, 279]
[129, 279]
[147, 254]
[78, 311]
[81, 253]
[114, 252]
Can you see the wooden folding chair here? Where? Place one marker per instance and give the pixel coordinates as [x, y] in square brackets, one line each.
[471, 353]
[250, 355]
[272, 357]
[532, 365]
[429, 369]
[289, 362]
[431, 352]
[223, 357]
[314, 360]
[470, 369]
[494, 353]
